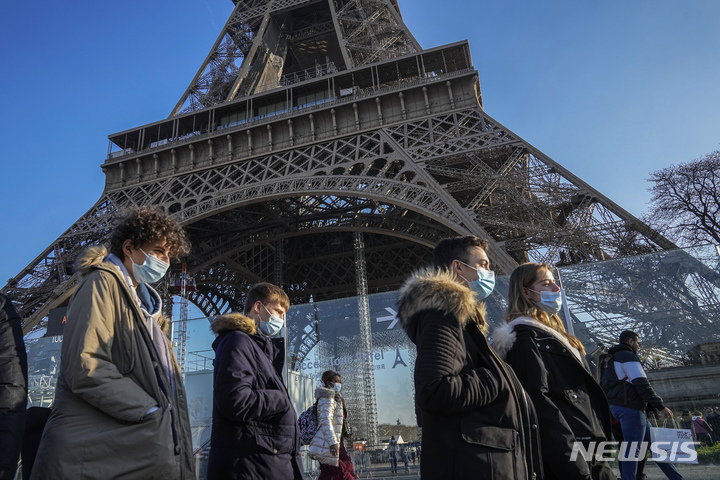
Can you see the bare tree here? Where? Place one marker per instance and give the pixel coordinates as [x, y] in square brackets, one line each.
[685, 203]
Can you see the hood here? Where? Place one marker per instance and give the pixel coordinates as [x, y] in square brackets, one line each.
[324, 392]
[89, 259]
[433, 289]
[233, 321]
[95, 257]
[503, 337]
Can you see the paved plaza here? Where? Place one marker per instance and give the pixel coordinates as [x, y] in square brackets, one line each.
[690, 472]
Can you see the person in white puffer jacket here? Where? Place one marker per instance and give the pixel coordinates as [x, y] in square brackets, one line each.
[326, 446]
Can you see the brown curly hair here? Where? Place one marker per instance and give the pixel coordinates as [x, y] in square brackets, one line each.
[147, 224]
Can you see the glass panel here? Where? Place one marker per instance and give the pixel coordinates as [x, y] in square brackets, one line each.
[43, 367]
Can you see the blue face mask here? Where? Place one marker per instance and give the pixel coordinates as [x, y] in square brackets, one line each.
[484, 285]
[550, 302]
[151, 270]
[273, 325]
[337, 387]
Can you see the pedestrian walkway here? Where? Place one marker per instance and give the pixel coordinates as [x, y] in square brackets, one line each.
[383, 473]
[689, 472]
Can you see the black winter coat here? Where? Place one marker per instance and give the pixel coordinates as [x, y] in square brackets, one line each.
[476, 420]
[255, 432]
[13, 387]
[569, 402]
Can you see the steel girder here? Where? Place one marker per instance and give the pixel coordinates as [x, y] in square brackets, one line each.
[671, 299]
[346, 33]
[405, 179]
[431, 164]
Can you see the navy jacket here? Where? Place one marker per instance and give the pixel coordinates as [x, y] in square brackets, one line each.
[634, 390]
[13, 387]
[255, 432]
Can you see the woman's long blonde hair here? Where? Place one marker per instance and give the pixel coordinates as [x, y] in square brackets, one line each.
[519, 306]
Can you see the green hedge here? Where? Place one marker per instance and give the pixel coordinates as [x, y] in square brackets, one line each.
[709, 455]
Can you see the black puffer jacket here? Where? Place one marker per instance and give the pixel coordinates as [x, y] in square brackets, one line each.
[634, 390]
[255, 432]
[570, 404]
[13, 387]
[476, 420]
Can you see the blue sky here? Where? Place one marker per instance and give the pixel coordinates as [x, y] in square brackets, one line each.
[612, 90]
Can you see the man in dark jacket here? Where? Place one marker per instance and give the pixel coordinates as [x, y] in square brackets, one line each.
[255, 432]
[13, 388]
[476, 419]
[628, 400]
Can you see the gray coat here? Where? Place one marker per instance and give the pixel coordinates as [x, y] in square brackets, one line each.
[109, 378]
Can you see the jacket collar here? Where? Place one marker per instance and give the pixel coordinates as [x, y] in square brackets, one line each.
[233, 321]
[621, 347]
[436, 289]
[503, 338]
[96, 258]
[324, 392]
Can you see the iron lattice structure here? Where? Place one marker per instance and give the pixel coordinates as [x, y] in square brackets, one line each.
[273, 180]
[311, 122]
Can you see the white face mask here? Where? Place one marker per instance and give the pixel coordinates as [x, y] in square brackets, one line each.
[151, 270]
[550, 302]
[273, 325]
[484, 285]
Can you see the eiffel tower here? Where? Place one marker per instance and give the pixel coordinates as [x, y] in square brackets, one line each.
[321, 148]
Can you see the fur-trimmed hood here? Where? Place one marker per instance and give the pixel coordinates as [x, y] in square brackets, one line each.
[324, 392]
[503, 338]
[90, 258]
[433, 289]
[233, 321]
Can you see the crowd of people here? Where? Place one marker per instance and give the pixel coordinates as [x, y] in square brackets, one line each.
[513, 407]
[516, 407]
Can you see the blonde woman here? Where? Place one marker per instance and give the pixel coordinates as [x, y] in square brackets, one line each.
[550, 363]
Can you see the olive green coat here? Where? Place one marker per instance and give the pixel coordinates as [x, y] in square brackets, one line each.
[110, 376]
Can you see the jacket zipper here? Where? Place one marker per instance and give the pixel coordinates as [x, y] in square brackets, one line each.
[517, 401]
[529, 447]
[159, 374]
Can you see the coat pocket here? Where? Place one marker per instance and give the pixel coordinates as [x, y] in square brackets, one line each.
[488, 436]
[577, 397]
[141, 450]
[580, 414]
[274, 444]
